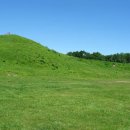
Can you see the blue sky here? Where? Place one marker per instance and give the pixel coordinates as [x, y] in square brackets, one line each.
[70, 25]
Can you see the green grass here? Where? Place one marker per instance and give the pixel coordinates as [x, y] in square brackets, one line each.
[61, 93]
[54, 104]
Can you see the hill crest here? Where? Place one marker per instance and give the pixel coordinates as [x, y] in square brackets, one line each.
[14, 48]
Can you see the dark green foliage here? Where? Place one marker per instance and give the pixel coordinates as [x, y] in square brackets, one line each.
[54, 67]
[80, 54]
[97, 56]
[121, 58]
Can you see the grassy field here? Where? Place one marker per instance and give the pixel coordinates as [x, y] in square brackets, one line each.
[44, 103]
[41, 89]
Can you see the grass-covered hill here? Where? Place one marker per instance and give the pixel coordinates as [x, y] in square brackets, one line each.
[19, 54]
[19, 50]
[41, 89]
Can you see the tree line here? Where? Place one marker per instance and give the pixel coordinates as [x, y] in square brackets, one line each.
[119, 57]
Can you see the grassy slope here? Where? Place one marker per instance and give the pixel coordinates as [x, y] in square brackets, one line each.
[18, 53]
[44, 90]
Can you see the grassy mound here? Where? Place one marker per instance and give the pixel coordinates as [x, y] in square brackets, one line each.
[41, 89]
[22, 55]
[19, 50]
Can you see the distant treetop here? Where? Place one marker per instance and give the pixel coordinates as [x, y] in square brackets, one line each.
[119, 57]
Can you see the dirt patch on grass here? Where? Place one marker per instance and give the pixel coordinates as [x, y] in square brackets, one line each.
[122, 81]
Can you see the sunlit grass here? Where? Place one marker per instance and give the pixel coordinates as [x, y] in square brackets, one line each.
[44, 90]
